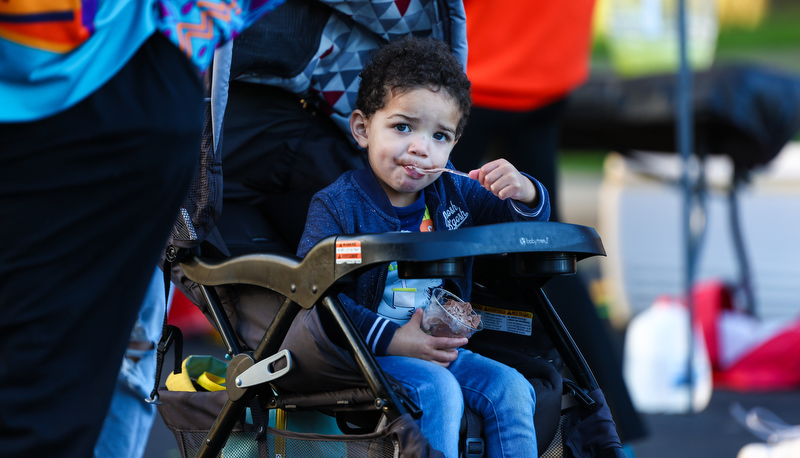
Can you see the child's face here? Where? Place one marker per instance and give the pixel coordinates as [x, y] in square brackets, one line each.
[416, 127]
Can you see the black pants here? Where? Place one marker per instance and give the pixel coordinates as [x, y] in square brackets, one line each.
[87, 199]
[528, 139]
[276, 155]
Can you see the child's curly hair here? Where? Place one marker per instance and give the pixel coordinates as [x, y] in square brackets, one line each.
[409, 63]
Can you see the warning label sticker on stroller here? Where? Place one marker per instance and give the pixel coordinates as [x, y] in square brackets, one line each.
[513, 321]
[348, 252]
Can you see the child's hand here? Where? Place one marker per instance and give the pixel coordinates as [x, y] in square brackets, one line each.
[411, 341]
[502, 179]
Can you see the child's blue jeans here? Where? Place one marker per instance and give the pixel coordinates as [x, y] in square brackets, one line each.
[500, 394]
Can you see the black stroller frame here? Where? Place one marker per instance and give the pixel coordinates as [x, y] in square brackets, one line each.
[528, 252]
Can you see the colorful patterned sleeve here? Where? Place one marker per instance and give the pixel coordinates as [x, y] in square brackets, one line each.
[57, 26]
[198, 27]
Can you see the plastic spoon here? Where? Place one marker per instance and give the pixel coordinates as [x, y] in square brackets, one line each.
[439, 169]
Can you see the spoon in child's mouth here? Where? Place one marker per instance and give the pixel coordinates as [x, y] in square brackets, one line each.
[437, 170]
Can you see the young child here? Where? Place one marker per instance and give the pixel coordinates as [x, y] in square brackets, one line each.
[413, 103]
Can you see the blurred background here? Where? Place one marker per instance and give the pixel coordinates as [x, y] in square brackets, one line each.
[636, 201]
[761, 33]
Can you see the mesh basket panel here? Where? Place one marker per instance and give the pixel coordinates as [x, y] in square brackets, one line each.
[199, 211]
[242, 445]
[556, 447]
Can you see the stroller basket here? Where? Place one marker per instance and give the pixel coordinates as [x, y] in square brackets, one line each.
[288, 444]
[190, 416]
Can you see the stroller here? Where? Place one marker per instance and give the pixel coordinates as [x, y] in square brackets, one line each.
[253, 299]
[517, 258]
[513, 262]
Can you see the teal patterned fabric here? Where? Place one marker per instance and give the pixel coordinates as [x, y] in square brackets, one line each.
[197, 27]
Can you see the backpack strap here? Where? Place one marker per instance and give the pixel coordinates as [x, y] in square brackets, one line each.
[169, 334]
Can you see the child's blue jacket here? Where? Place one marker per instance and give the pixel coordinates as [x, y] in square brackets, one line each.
[356, 204]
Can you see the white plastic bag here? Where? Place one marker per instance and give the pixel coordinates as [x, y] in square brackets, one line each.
[655, 365]
[782, 440]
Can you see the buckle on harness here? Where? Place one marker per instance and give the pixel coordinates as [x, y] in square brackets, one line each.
[474, 447]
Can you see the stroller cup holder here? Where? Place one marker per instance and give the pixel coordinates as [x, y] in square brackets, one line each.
[534, 250]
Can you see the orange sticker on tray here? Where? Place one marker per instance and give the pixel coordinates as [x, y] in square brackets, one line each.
[348, 252]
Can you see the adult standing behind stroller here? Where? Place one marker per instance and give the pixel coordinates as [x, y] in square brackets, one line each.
[100, 124]
[293, 83]
[524, 60]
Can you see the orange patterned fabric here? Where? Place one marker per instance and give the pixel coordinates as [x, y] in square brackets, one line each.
[51, 25]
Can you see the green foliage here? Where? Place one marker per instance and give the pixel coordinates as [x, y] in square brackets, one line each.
[780, 30]
[582, 160]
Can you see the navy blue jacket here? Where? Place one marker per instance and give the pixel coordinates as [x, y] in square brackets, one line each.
[356, 204]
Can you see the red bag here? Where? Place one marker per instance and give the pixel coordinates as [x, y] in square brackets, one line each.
[770, 362]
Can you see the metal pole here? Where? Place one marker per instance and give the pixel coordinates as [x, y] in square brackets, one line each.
[685, 141]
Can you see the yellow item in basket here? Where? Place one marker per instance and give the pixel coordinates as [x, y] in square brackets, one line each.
[211, 382]
[199, 373]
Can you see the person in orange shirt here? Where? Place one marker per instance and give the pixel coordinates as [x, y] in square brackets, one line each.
[524, 60]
